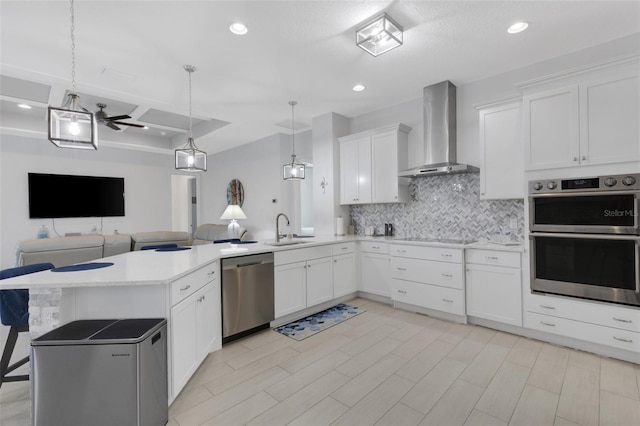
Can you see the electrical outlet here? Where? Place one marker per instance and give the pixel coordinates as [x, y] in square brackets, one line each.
[513, 223]
[46, 315]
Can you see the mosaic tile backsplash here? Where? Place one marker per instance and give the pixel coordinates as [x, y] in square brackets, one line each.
[446, 206]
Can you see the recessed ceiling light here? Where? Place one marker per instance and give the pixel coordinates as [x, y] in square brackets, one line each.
[145, 128]
[517, 27]
[163, 133]
[358, 88]
[238, 28]
[24, 106]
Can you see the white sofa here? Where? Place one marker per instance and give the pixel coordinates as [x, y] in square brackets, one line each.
[210, 232]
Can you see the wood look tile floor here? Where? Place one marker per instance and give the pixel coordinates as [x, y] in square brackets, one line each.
[391, 367]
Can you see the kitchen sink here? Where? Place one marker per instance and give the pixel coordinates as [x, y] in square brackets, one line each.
[285, 243]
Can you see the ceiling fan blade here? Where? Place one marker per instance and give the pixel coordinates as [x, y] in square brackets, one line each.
[112, 126]
[118, 117]
[122, 123]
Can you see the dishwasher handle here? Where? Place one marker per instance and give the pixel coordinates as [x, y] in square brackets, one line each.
[243, 261]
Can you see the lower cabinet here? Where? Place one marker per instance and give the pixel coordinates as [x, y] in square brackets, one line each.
[193, 331]
[302, 278]
[376, 273]
[344, 279]
[290, 291]
[494, 285]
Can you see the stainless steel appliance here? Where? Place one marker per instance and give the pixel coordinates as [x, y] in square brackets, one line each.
[585, 237]
[247, 295]
[101, 372]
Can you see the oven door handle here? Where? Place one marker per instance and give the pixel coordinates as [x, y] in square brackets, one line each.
[619, 237]
[638, 267]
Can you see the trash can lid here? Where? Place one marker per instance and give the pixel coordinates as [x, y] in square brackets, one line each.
[106, 331]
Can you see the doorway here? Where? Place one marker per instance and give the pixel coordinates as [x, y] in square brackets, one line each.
[184, 203]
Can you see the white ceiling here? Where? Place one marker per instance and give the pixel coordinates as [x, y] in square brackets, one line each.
[130, 54]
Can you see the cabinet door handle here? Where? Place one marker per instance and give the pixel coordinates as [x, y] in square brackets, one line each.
[622, 320]
[620, 339]
[335, 261]
[547, 324]
[375, 247]
[575, 158]
[447, 300]
[491, 257]
[401, 269]
[185, 288]
[447, 275]
[402, 292]
[446, 255]
[344, 248]
[211, 273]
[584, 157]
[547, 307]
[401, 251]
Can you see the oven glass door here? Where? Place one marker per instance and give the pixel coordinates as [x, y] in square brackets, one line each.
[596, 268]
[611, 213]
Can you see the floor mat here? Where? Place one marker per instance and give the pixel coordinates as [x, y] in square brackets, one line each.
[312, 324]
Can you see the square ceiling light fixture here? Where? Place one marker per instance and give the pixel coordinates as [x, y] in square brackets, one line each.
[379, 35]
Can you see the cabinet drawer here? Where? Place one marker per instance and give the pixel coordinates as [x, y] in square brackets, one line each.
[428, 272]
[342, 248]
[622, 339]
[301, 254]
[189, 284]
[594, 313]
[374, 247]
[493, 257]
[428, 296]
[427, 253]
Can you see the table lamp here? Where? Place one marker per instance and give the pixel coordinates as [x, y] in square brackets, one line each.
[233, 212]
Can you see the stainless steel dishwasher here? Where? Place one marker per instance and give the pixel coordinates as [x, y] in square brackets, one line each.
[247, 295]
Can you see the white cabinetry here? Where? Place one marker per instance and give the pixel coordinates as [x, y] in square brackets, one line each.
[369, 165]
[375, 273]
[195, 322]
[303, 278]
[586, 119]
[615, 326]
[344, 268]
[428, 277]
[494, 285]
[502, 167]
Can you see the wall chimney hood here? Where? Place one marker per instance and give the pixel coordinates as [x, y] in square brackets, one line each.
[439, 119]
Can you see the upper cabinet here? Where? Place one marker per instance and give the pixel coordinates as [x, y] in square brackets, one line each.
[369, 165]
[588, 118]
[502, 167]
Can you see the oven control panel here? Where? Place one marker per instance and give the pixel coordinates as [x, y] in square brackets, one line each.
[600, 183]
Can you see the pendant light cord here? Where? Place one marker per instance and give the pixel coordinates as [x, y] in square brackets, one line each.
[293, 129]
[190, 119]
[73, 50]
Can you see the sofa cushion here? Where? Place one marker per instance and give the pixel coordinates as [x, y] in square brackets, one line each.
[209, 232]
[61, 251]
[116, 244]
[61, 243]
[141, 239]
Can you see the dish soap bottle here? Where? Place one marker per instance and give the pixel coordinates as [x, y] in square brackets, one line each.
[43, 232]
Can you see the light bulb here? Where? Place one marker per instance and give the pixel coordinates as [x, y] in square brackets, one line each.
[74, 129]
[294, 171]
[190, 160]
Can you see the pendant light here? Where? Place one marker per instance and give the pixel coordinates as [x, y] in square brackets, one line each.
[293, 170]
[72, 126]
[190, 158]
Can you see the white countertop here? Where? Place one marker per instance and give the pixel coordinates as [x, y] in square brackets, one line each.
[149, 267]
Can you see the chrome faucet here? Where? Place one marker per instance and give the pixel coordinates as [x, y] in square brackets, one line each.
[278, 226]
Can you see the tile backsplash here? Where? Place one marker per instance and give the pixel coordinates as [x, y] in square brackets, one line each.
[446, 206]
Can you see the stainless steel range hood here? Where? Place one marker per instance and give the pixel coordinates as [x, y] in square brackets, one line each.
[439, 108]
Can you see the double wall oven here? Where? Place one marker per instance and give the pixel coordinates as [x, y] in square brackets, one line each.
[585, 237]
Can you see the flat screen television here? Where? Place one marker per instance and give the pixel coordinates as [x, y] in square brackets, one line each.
[59, 196]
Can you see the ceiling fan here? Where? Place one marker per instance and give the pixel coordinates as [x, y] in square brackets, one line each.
[103, 118]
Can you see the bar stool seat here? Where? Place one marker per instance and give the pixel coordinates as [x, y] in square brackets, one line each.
[14, 312]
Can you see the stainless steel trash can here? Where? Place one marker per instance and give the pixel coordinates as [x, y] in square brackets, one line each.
[101, 372]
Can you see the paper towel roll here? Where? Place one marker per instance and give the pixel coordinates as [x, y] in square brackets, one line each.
[339, 226]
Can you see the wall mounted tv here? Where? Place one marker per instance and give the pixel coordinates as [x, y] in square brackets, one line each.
[58, 196]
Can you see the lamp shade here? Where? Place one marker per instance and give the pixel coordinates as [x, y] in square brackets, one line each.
[233, 211]
[379, 35]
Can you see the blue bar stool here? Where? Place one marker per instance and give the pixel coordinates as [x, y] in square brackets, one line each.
[14, 312]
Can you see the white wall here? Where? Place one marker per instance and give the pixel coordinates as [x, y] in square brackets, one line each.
[147, 189]
[258, 165]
